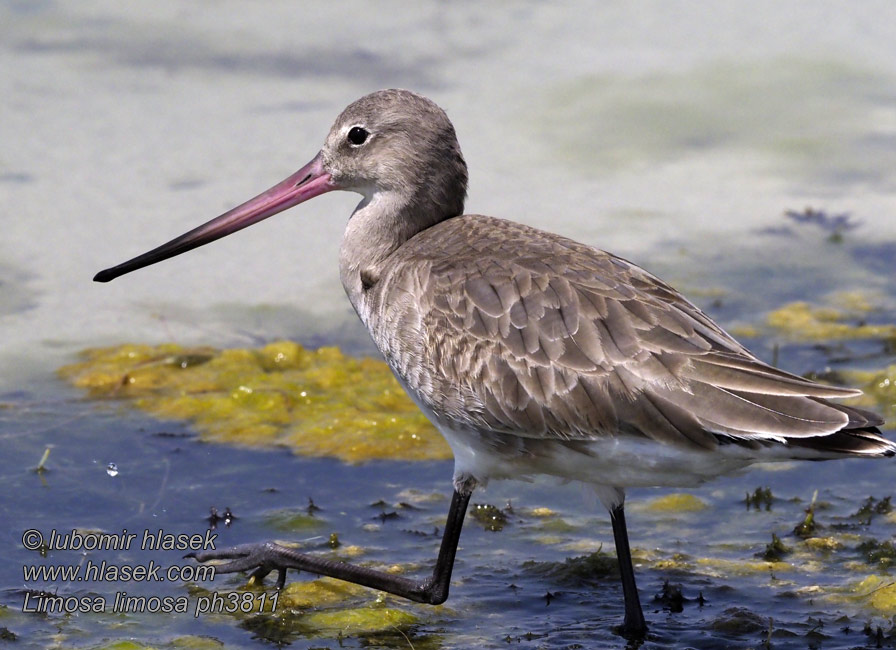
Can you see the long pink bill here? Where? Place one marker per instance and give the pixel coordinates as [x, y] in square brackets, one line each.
[310, 181]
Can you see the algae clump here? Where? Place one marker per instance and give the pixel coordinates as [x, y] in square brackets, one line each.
[316, 402]
[775, 550]
[877, 593]
[676, 502]
[321, 607]
[844, 320]
[196, 643]
[879, 388]
[321, 593]
[800, 321]
[492, 518]
[360, 620]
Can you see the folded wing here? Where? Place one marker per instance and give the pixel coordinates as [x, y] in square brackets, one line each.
[589, 345]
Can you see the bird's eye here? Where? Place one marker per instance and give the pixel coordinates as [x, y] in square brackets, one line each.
[357, 135]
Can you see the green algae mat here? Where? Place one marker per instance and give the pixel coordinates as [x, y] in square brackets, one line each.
[316, 402]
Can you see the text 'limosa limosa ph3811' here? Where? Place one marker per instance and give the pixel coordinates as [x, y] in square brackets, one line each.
[531, 353]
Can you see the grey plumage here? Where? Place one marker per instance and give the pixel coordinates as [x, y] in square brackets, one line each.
[512, 329]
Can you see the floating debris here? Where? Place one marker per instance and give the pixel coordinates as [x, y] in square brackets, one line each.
[882, 554]
[670, 597]
[775, 550]
[834, 224]
[806, 528]
[491, 517]
[214, 518]
[42, 464]
[871, 507]
[761, 497]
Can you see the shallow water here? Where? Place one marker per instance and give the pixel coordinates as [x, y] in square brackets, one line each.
[673, 136]
[512, 585]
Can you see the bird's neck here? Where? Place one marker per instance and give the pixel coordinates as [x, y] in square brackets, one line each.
[378, 227]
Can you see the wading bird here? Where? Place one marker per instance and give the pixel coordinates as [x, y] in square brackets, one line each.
[531, 353]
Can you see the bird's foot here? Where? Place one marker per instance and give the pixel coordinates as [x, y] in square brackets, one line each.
[265, 557]
[261, 558]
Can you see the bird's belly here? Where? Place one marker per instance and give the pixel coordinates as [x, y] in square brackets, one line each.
[611, 461]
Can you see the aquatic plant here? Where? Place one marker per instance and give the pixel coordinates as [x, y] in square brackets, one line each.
[316, 402]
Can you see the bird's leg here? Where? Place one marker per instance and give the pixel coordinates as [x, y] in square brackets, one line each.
[634, 624]
[264, 557]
